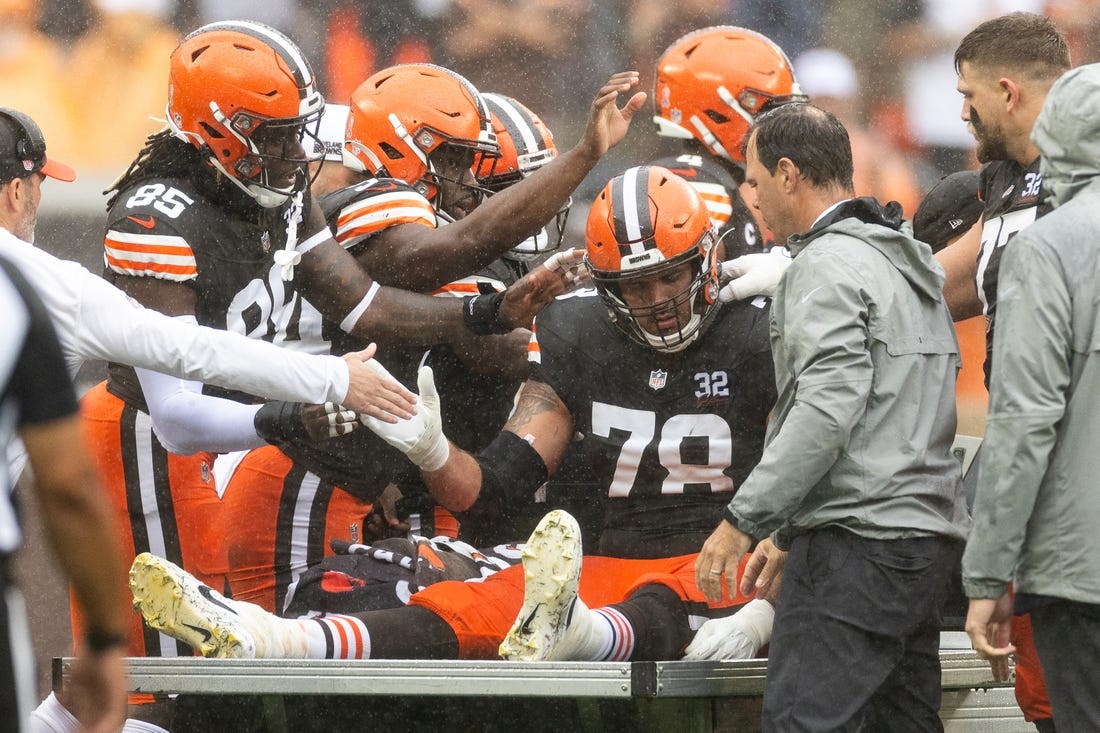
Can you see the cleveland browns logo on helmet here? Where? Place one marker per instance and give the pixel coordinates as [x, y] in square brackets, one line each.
[244, 93]
[712, 83]
[645, 223]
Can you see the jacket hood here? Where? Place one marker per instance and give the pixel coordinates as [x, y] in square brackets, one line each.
[882, 228]
[1067, 133]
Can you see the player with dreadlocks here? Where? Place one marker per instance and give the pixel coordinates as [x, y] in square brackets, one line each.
[213, 223]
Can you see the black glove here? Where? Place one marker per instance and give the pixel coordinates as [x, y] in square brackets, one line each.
[280, 422]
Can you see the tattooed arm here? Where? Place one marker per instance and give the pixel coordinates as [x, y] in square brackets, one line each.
[541, 421]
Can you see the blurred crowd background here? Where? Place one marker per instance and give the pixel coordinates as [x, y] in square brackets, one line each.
[93, 74]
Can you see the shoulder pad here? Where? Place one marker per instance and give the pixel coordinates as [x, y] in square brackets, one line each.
[356, 212]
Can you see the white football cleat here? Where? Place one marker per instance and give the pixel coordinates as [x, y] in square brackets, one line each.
[551, 574]
[173, 601]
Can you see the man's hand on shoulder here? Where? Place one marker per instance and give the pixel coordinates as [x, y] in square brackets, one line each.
[753, 274]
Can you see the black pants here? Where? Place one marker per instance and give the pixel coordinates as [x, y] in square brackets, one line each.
[1067, 637]
[855, 644]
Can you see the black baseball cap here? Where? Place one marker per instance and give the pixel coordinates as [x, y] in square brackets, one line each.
[948, 210]
[23, 149]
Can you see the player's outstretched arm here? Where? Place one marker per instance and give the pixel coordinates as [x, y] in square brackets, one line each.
[559, 274]
[529, 448]
[422, 258]
[373, 391]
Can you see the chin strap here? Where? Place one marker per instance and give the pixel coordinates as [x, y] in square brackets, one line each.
[288, 257]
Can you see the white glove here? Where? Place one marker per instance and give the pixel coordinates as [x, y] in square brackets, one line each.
[739, 636]
[569, 266]
[421, 436]
[755, 274]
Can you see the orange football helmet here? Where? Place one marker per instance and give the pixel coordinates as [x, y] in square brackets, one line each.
[713, 82]
[244, 94]
[526, 144]
[401, 115]
[646, 222]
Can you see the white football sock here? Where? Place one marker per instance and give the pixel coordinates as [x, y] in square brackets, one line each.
[334, 636]
[600, 635]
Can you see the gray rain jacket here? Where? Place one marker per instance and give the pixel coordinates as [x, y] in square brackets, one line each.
[1037, 513]
[865, 361]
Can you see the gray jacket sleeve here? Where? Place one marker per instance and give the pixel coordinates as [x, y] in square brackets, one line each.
[822, 353]
[1031, 373]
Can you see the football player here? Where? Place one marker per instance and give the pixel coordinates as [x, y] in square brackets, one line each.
[670, 390]
[711, 84]
[194, 227]
[284, 507]
[1005, 68]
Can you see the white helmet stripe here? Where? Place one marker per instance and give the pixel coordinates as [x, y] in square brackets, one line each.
[708, 137]
[630, 205]
[725, 96]
[406, 138]
[520, 126]
[633, 227]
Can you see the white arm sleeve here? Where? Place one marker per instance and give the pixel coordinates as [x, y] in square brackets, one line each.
[187, 421]
[111, 326]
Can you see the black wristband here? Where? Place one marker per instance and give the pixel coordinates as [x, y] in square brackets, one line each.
[481, 314]
[97, 640]
[511, 472]
[280, 422]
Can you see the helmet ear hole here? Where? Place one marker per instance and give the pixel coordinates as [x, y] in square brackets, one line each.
[391, 152]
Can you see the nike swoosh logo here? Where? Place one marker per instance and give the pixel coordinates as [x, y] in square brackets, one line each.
[206, 592]
[685, 172]
[807, 295]
[206, 635]
[147, 223]
[526, 627]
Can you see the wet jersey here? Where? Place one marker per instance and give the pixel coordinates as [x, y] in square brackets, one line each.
[355, 214]
[215, 241]
[719, 190]
[474, 406]
[1010, 193]
[669, 436]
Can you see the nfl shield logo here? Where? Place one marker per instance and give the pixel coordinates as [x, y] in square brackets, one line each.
[657, 379]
